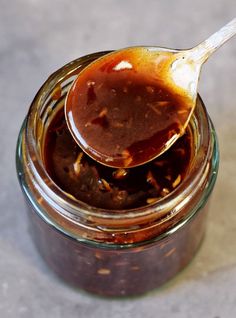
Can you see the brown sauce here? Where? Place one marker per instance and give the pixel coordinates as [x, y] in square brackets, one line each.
[105, 187]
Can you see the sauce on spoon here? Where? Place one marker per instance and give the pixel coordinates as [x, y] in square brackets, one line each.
[124, 109]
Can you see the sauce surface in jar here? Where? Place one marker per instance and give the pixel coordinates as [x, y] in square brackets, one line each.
[105, 187]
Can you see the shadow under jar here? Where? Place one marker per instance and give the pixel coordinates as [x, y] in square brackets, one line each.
[104, 251]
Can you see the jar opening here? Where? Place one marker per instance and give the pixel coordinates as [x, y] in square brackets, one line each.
[47, 102]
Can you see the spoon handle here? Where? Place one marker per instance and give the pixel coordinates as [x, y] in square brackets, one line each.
[202, 51]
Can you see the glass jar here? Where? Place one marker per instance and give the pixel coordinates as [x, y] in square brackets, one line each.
[113, 253]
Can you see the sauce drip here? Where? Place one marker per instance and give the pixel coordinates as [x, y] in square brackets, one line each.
[121, 111]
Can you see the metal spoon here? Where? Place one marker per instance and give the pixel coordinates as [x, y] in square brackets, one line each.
[129, 106]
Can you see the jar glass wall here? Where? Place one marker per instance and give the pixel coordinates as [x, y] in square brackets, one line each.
[103, 251]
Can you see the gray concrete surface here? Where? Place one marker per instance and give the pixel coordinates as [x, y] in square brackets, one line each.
[37, 37]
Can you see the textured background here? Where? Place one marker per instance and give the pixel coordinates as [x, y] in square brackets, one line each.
[39, 36]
